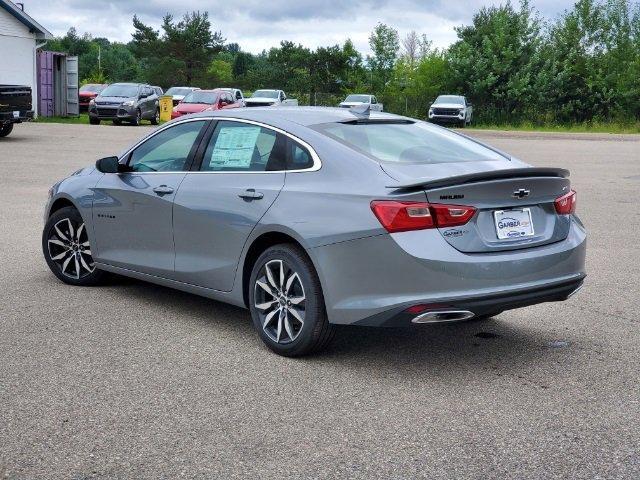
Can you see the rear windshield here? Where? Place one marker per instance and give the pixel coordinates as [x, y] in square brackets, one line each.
[201, 97]
[416, 142]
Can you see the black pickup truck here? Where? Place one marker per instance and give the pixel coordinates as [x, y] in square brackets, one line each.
[15, 107]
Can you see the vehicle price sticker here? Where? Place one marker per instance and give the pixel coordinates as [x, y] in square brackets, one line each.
[234, 147]
[511, 224]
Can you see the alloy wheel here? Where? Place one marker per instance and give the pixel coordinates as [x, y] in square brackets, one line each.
[68, 246]
[280, 301]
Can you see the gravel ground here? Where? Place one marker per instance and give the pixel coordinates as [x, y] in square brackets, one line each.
[133, 380]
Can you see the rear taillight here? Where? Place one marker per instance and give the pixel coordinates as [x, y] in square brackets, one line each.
[566, 204]
[398, 216]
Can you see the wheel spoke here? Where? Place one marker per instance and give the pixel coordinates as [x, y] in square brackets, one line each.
[86, 252]
[281, 275]
[85, 244]
[70, 229]
[60, 256]
[287, 327]
[265, 287]
[85, 265]
[79, 232]
[297, 300]
[269, 317]
[296, 314]
[270, 278]
[77, 265]
[290, 281]
[60, 234]
[66, 263]
[279, 331]
[57, 242]
[265, 305]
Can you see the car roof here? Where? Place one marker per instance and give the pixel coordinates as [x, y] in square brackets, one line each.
[305, 116]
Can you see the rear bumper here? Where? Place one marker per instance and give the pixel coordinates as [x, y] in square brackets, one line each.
[10, 117]
[370, 281]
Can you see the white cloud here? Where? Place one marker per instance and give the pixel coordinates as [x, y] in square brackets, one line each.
[256, 25]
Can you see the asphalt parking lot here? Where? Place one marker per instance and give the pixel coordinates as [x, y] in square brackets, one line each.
[132, 380]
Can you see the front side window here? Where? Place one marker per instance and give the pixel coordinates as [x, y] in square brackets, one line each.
[168, 150]
[405, 142]
[244, 147]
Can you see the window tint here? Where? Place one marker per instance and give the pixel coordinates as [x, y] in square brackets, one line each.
[238, 95]
[243, 147]
[299, 157]
[167, 151]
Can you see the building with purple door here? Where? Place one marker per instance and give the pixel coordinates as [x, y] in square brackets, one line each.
[20, 38]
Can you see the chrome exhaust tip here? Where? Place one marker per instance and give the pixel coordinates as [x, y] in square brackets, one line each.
[443, 316]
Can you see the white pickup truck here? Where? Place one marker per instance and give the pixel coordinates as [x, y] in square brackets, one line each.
[451, 109]
[268, 98]
[355, 100]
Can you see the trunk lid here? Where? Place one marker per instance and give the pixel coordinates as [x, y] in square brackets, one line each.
[516, 192]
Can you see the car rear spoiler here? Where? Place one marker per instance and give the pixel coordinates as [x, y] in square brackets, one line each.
[429, 183]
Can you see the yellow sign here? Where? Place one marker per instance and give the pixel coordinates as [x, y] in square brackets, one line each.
[166, 105]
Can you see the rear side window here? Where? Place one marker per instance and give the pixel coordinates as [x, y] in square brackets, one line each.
[416, 142]
[299, 157]
[166, 151]
[244, 147]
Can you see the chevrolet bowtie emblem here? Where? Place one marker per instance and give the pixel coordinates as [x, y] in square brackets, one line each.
[521, 193]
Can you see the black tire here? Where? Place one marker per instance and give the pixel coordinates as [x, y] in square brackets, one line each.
[94, 121]
[137, 119]
[315, 332]
[117, 122]
[462, 124]
[65, 250]
[6, 130]
[156, 117]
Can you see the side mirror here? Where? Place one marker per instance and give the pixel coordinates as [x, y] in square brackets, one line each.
[108, 165]
[142, 95]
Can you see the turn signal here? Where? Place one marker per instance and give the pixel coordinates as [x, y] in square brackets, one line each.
[398, 216]
[566, 204]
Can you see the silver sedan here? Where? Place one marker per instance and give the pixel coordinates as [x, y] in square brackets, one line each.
[315, 217]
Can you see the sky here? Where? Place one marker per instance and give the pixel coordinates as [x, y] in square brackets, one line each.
[260, 24]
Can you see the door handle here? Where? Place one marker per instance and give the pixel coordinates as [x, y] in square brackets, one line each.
[163, 190]
[251, 194]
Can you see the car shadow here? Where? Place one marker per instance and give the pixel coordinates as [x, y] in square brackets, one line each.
[502, 343]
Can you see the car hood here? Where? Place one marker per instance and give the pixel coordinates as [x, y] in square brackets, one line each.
[447, 105]
[261, 100]
[192, 107]
[112, 100]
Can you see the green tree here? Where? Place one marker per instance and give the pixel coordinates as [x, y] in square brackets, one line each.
[384, 43]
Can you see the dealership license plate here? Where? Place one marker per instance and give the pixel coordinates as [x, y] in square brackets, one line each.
[16, 113]
[513, 223]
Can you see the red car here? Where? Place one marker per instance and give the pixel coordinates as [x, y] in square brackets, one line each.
[88, 92]
[201, 100]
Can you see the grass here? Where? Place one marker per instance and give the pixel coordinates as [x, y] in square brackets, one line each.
[589, 127]
[82, 118]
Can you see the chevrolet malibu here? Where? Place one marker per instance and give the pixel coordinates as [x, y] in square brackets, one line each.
[314, 217]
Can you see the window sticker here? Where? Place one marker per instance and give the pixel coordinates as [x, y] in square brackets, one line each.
[234, 147]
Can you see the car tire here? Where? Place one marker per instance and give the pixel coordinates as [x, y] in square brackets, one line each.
[6, 130]
[117, 122]
[286, 302]
[462, 124]
[137, 119]
[94, 121]
[156, 117]
[66, 248]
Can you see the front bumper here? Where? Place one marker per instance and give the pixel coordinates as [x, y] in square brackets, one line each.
[372, 280]
[11, 117]
[446, 119]
[112, 112]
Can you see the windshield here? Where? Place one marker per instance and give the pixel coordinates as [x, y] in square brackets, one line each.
[201, 97]
[457, 99]
[120, 90]
[407, 142]
[357, 98]
[90, 88]
[265, 94]
[178, 91]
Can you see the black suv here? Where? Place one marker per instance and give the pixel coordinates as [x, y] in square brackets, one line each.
[129, 102]
[15, 106]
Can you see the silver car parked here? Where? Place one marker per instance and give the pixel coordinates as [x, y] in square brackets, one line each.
[314, 217]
